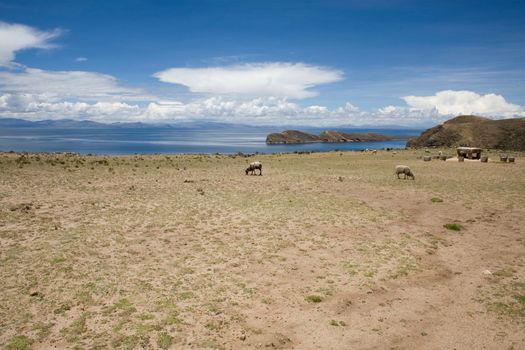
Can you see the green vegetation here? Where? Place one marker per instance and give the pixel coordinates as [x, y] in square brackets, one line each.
[164, 340]
[436, 200]
[453, 227]
[19, 342]
[337, 323]
[314, 298]
[506, 272]
[75, 329]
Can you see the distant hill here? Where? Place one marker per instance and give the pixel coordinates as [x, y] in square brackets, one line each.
[296, 137]
[62, 123]
[474, 131]
[84, 124]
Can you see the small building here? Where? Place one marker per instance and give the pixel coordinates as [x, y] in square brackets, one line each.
[469, 152]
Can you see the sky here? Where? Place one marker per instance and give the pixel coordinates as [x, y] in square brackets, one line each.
[262, 62]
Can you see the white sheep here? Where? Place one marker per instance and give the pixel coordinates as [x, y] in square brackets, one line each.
[253, 166]
[403, 169]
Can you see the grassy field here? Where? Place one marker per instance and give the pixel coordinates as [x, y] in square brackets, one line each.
[325, 250]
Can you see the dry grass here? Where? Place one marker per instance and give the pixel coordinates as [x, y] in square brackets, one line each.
[188, 252]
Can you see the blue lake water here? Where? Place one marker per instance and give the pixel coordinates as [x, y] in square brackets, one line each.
[114, 141]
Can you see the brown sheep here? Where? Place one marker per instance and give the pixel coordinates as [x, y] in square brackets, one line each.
[253, 166]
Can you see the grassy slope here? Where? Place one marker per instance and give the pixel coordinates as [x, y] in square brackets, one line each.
[475, 131]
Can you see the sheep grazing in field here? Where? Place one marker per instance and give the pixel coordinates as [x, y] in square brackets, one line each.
[254, 166]
[403, 169]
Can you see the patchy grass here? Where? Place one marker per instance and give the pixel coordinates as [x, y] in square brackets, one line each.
[164, 340]
[505, 296]
[19, 342]
[75, 329]
[505, 272]
[436, 200]
[453, 227]
[314, 298]
[128, 251]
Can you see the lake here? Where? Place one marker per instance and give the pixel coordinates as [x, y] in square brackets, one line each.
[119, 141]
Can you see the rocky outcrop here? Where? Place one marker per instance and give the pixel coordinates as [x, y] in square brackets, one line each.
[336, 136]
[296, 137]
[291, 136]
[474, 131]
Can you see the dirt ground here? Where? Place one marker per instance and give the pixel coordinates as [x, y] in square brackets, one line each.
[324, 251]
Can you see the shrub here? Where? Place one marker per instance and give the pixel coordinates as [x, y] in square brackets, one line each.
[454, 227]
[314, 298]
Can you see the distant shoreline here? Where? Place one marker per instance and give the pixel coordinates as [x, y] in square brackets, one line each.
[238, 153]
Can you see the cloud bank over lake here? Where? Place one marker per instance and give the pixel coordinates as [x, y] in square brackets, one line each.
[237, 88]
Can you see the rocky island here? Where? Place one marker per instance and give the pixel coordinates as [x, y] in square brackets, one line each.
[297, 137]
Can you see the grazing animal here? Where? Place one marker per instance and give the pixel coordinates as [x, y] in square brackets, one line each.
[403, 169]
[254, 166]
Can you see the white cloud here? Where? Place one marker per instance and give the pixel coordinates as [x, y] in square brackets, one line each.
[81, 59]
[16, 37]
[36, 94]
[38, 107]
[67, 85]
[451, 102]
[256, 111]
[276, 79]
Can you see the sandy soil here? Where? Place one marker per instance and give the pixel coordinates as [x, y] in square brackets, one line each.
[324, 251]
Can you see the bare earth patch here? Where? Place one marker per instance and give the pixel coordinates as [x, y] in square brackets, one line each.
[325, 251]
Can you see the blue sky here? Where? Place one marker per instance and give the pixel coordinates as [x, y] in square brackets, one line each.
[263, 62]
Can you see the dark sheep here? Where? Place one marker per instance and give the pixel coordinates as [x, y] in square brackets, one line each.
[254, 166]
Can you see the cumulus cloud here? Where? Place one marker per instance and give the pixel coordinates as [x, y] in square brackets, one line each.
[16, 37]
[81, 59]
[67, 85]
[36, 94]
[451, 102]
[38, 107]
[277, 79]
[256, 111]
[280, 111]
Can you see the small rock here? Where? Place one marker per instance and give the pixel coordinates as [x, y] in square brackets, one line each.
[243, 337]
[487, 273]
[33, 292]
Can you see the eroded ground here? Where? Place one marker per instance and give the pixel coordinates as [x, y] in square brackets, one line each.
[324, 251]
